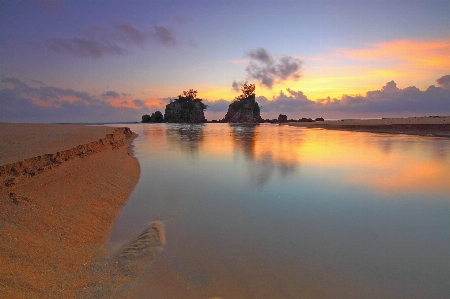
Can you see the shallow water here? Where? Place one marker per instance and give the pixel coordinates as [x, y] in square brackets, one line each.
[268, 211]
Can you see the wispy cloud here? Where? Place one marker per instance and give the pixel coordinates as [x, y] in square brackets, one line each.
[98, 41]
[415, 52]
[110, 94]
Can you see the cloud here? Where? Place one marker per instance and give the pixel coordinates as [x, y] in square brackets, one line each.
[236, 86]
[98, 41]
[268, 70]
[217, 106]
[390, 101]
[46, 104]
[444, 82]
[139, 103]
[165, 35]
[261, 55]
[110, 94]
[83, 47]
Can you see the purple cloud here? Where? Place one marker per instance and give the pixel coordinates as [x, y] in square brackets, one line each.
[17, 105]
[444, 81]
[164, 35]
[389, 101]
[139, 103]
[110, 94]
[267, 70]
[98, 41]
[83, 47]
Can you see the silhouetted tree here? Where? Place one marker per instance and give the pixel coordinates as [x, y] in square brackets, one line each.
[247, 90]
[146, 118]
[190, 94]
[157, 117]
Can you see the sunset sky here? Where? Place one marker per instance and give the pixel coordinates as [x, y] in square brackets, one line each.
[95, 61]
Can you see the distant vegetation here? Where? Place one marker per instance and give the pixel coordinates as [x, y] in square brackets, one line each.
[156, 117]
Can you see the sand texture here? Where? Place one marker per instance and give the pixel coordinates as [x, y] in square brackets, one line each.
[427, 126]
[61, 188]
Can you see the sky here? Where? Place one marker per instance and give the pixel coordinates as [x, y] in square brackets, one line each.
[114, 61]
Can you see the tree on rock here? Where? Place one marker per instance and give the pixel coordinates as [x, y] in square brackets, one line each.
[187, 108]
[156, 117]
[247, 90]
[244, 108]
[146, 118]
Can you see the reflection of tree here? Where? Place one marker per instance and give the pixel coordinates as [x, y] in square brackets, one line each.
[187, 136]
[261, 165]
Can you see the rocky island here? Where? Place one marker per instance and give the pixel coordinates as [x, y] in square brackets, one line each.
[187, 108]
[244, 108]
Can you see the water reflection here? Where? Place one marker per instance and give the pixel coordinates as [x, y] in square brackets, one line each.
[271, 211]
[262, 161]
[188, 137]
[399, 164]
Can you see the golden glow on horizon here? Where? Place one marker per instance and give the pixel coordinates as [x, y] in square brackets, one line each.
[342, 71]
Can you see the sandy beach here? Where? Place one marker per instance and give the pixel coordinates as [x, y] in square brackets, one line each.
[426, 126]
[61, 188]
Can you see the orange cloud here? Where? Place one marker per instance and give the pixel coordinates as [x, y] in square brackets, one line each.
[416, 53]
[358, 70]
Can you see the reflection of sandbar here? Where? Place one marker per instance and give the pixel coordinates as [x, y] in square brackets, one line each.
[434, 126]
[61, 188]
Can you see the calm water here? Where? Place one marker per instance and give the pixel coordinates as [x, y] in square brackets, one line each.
[272, 211]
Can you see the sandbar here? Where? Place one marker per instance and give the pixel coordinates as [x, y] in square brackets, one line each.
[425, 126]
[61, 189]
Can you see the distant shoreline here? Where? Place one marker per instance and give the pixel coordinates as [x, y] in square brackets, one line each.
[438, 126]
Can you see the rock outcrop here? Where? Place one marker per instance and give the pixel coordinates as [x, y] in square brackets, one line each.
[156, 117]
[243, 110]
[282, 118]
[186, 109]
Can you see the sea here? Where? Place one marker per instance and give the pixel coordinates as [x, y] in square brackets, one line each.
[275, 211]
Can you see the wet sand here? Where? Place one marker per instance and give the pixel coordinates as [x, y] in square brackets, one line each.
[61, 189]
[426, 126]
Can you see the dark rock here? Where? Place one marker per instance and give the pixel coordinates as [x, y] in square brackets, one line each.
[146, 118]
[319, 119]
[157, 117]
[282, 118]
[304, 119]
[185, 109]
[244, 110]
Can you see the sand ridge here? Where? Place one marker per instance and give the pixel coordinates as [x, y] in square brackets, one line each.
[55, 220]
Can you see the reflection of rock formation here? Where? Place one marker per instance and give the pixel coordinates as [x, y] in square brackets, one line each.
[187, 136]
[261, 162]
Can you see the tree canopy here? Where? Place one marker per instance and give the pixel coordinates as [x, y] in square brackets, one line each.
[247, 90]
